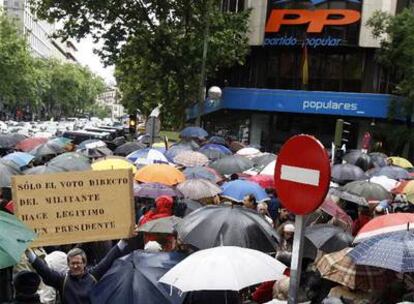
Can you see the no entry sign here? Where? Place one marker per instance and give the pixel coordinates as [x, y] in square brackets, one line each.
[302, 174]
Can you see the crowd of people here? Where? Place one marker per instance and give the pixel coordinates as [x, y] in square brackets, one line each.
[69, 273]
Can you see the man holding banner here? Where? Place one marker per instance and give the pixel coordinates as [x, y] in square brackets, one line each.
[74, 287]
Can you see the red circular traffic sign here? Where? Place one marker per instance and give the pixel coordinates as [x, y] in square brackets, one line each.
[302, 174]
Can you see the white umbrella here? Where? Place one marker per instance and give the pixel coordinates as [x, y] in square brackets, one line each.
[153, 156]
[269, 169]
[249, 152]
[223, 268]
[387, 183]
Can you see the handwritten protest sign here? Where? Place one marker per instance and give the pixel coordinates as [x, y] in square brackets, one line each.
[75, 207]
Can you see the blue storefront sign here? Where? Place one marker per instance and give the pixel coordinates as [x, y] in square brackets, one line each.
[305, 102]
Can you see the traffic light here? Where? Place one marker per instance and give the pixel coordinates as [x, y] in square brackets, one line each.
[342, 132]
[132, 124]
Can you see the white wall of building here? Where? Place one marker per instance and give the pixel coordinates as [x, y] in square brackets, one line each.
[111, 99]
[257, 20]
[369, 7]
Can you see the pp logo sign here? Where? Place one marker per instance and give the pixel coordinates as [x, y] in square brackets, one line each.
[317, 19]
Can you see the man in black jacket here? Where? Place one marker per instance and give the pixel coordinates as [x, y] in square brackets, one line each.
[74, 287]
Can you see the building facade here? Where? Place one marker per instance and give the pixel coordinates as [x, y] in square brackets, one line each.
[311, 62]
[38, 32]
[111, 98]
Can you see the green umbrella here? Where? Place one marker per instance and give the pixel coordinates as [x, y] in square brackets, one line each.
[15, 237]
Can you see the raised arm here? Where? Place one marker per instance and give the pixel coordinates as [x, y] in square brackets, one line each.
[50, 277]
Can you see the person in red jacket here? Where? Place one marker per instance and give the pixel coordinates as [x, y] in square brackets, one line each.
[364, 216]
[163, 208]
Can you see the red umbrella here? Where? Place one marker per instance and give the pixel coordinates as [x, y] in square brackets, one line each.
[329, 206]
[385, 224]
[29, 144]
[265, 181]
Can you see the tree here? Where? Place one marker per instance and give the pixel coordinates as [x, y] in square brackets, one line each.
[157, 45]
[17, 68]
[396, 55]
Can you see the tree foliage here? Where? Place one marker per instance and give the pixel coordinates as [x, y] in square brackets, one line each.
[47, 87]
[157, 45]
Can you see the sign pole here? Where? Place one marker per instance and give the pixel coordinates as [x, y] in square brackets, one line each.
[296, 264]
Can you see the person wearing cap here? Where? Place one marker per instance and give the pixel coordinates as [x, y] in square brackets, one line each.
[75, 285]
[26, 284]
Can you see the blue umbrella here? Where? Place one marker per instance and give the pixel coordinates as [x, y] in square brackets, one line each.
[20, 158]
[238, 189]
[143, 154]
[194, 132]
[199, 172]
[217, 140]
[221, 148]
[393, 172]
[134, 279]
[393, 251]
[172, 152]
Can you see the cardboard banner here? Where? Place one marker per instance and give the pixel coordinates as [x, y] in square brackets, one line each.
[75, 207]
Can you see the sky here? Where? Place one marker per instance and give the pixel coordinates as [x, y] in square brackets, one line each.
[86, 57]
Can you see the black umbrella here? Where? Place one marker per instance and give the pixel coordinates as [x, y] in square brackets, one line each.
[369, 191]
[47, 149]
[7, 170]
[217, 140]
[344, 173]
[191, 205]
[392, 172]
[360, 159]
[97, 152]
[128, 148]
[232, 164]
[7, 141]
[213, 226]
[328, 238]
[379, 159]
[352, 156]
[134, 279]
[71, 161]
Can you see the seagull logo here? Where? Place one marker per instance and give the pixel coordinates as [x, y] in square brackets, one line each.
[314, 2]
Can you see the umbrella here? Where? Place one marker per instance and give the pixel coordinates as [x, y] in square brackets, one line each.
[338, 267]
[7, 170]
[388, 183]
[263, 160]
[394, 251]
[378, 159]
[112, 164]
[400, 162]
[71, 161]
[60, 141]
[29, 144]
[213, 226]
[163, 225]
[269, 169]
[7, 141]
[332, 208]
[191, 205]
[345, 195]
[193, 132]
[46, 149]
[200, 172]
[14, 240]
[249, 152]
[191, 159]
[328, 238]
[39, 170]
[177, 149]
[128, 148]
[147, 156]
[369, 191]
[359, 159]
[214, 151]
[393, 172]
[96, 152]
[154, 190]
[407, 188]
[217, 140]
[385, 224]
[232, 164]
[223, 268]
[134, 279]
[22, 159]
[236, 191]
[160, 173]
[264, 181]
[198, 189]
[91, 144]
[344, 173]
[352, 156]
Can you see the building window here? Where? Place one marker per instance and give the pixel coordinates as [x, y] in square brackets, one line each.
[232, 5]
